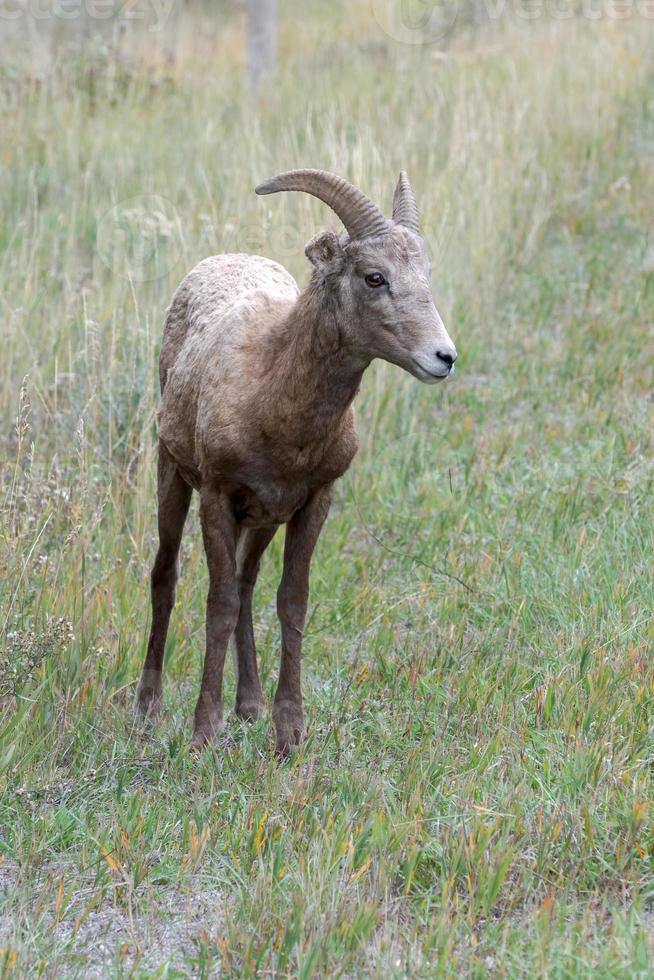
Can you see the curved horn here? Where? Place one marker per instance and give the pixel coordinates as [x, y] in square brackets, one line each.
[405, 209]
[361, 217]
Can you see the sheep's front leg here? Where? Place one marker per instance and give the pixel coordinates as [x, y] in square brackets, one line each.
[219, 536]
[302, 533]
[249, 696]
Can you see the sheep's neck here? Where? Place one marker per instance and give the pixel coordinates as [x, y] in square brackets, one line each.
[314, 378]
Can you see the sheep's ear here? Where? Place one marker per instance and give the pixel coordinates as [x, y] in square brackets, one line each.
[325, 252]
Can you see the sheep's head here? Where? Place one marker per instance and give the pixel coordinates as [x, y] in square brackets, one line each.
[376, 278]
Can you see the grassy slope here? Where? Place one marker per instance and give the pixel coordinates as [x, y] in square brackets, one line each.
[475, 791]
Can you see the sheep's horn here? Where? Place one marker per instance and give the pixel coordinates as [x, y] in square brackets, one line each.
[405, 209]
[362, 218]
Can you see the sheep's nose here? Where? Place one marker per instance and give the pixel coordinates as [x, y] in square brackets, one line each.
[447, 357]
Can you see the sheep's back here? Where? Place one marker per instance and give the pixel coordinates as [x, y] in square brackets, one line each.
[217, 310]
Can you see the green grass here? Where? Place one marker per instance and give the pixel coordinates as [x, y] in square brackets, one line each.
[474, 797]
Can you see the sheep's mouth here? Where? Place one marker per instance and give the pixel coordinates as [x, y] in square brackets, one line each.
[430, 377]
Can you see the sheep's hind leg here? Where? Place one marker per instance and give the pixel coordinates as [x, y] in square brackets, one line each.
[219, 536]
[174, 496]
[250, 702]
[302, 533]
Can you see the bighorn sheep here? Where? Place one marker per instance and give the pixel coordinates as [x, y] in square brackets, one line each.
[257, 383]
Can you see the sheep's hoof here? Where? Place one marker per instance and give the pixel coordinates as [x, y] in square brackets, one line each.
[250, 710]
[207, 729]
[148, 701]
[289, 727]
[204, 737]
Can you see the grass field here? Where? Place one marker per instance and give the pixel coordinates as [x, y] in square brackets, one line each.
[474, 797]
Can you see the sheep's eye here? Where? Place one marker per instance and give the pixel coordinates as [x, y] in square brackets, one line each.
[375, 279]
